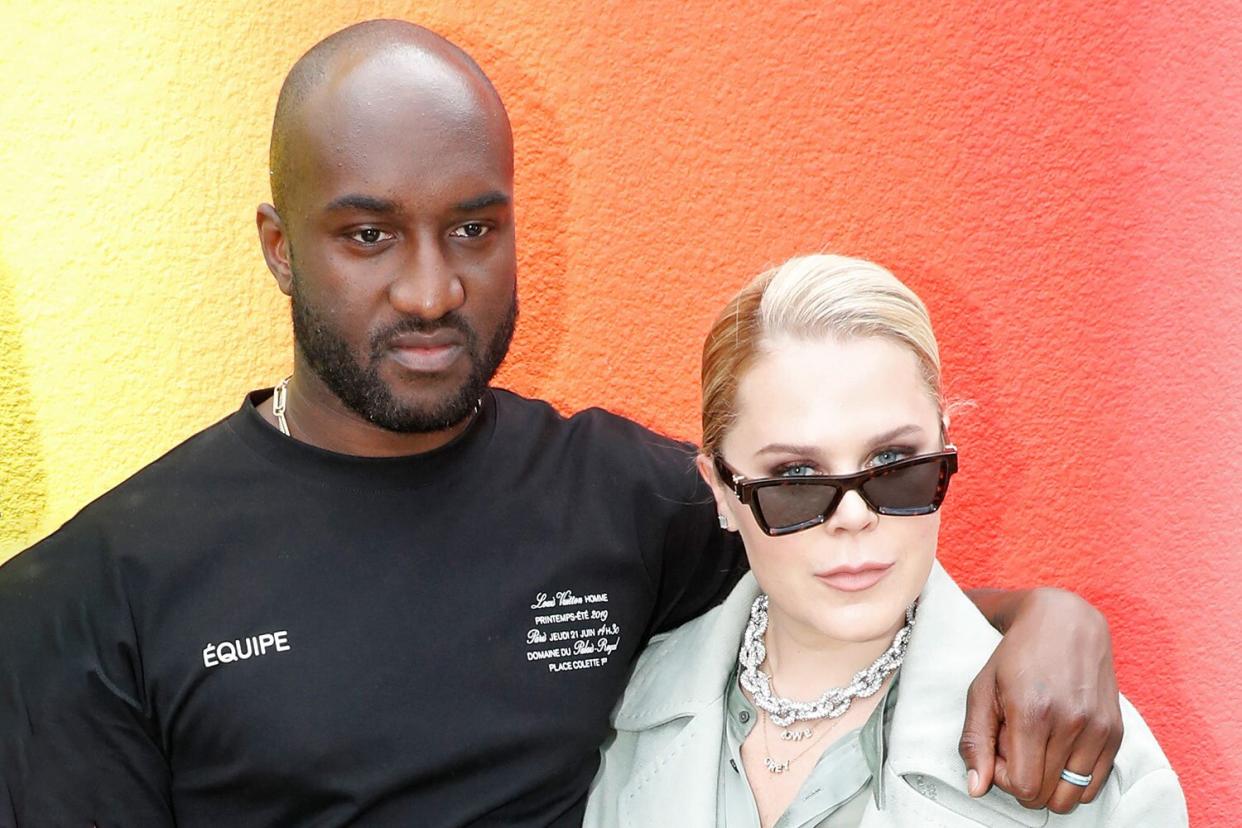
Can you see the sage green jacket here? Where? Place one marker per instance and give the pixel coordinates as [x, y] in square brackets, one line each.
[661, 766]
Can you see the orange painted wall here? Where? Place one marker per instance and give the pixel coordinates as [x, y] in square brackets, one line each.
[1059, 181]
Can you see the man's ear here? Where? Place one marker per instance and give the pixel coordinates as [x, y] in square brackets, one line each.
[724, 497]
[275, 244]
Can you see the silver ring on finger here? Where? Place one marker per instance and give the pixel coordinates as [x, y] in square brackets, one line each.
[1079, 779]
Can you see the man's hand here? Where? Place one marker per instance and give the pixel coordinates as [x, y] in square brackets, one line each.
[1046, 700]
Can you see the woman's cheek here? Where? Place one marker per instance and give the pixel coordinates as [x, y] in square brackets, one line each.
[919, 551]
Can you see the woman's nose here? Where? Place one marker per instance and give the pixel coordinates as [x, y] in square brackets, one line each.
[852, 514]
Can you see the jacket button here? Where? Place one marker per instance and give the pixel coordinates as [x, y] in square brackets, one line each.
[927, 787]
[743, 717]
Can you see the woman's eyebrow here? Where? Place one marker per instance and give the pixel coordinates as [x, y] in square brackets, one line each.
[788, 448]
[908, 430]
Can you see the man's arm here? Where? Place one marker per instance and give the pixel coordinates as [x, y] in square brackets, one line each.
[696, 563]
[1045, 701]
[77, 743]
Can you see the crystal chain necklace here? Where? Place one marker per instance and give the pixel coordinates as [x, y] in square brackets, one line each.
[834, 702]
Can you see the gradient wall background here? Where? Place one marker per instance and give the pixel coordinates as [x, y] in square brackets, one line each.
[1059, 181]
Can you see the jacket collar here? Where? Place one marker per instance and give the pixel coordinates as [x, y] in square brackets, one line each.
[684, 673]
[949, 645]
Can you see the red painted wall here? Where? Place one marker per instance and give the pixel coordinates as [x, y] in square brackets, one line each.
[1060, 184]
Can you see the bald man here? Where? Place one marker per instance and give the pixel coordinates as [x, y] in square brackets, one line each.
[384, 592]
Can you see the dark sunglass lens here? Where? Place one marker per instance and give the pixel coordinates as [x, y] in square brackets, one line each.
[793, 503]
[908, 490]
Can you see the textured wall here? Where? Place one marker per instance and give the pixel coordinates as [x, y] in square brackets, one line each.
[1060, 183]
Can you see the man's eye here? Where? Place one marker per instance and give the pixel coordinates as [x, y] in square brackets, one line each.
[370, 235]
[796, 470]
[472, 230]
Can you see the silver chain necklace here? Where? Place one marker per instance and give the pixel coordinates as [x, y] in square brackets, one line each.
[280, 402]
[280, 398]
[834, 702]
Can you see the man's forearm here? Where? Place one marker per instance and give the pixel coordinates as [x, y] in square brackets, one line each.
[999, 606]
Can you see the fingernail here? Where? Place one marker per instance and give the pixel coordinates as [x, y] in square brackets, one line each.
[972, 782]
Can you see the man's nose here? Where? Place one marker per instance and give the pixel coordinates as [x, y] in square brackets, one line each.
[427, 285]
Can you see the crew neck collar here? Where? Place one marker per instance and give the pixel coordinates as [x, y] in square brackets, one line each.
[333, 468]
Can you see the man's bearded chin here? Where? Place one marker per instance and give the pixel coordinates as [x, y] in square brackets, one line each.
[363, 391]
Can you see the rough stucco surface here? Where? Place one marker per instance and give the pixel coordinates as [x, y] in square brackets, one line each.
[1060, 183]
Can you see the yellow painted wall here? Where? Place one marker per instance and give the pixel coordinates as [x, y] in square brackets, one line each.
[131, 299]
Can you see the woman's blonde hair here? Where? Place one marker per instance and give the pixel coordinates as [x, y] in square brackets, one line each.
[809, 297]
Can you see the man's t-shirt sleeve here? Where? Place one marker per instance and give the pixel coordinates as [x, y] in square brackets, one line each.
[700, 562]
[78, 743]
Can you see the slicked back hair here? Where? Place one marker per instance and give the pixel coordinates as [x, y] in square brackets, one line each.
[810, 297]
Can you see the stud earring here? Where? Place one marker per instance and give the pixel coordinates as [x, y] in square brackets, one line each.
[724, 521]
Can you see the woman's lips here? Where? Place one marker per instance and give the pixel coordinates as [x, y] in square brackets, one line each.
[855, 578]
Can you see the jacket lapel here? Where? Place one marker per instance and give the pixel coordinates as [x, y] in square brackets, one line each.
[681, 673]
[949, 645]
[675, 699]
[679, 786]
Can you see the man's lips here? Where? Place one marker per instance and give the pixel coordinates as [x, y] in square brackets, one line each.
[426, 353]
[435, 339]
[856, 577]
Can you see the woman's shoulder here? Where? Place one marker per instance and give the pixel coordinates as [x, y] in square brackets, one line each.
[1143, 788]
[950, 643]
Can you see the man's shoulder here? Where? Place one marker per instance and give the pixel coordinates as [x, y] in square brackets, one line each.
[602, 448]
[193, 464]
[594, 426]
[156, 495]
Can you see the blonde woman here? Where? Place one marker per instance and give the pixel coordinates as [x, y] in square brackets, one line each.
[829, 689]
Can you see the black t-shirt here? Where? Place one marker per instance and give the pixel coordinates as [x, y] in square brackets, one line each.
[252, 631]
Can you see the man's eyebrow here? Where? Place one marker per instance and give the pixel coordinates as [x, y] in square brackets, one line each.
[366, 203]
[481, 202]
